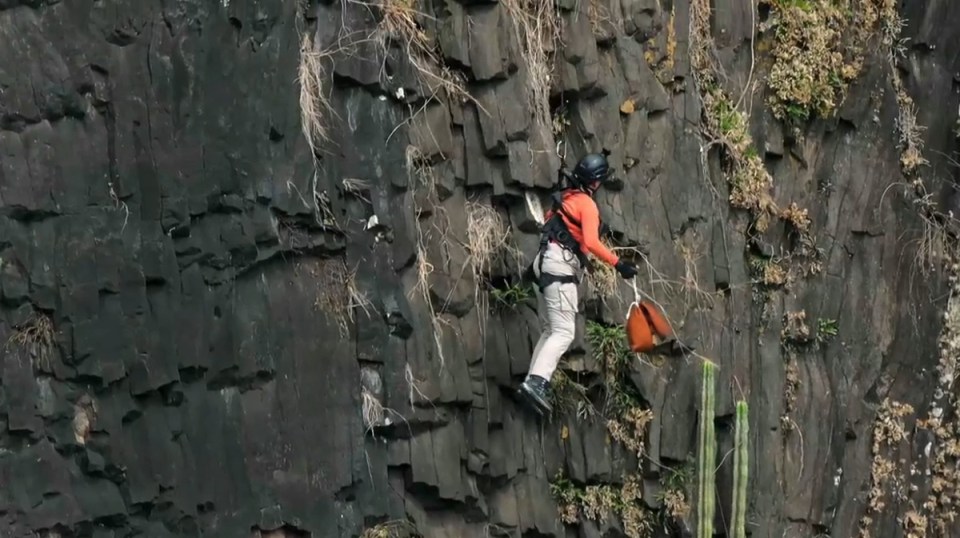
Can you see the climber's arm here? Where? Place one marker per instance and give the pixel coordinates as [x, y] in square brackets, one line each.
[590, 225]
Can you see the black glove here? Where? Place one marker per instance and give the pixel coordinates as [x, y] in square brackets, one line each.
[626, 269]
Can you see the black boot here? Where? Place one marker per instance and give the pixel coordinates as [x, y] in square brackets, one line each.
[538, 390]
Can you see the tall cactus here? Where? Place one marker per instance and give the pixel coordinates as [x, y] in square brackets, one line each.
[740, 471]
[707, 455]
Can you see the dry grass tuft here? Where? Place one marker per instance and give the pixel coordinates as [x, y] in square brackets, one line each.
[934, 247]
[537, 27]
[599, 14]
[691, 248]
[356, 187]
[400, 24]
[315, 106]
[487, 236]
[36, 338]
[337, 293]
[421, 174]
[911, 137]
[374, 413]
[372, 410]
[769, 271]
[397, 528]
[603, 279]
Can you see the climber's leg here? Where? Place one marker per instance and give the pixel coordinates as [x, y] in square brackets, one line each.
[557, 308]
[561, 309]
[544, 327]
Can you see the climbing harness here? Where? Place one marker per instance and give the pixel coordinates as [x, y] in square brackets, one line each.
[556, 230]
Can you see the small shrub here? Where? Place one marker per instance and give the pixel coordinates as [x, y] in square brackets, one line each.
[511, 296]
[818, 51]
[826, 329]
[809, 74]
[599, 502]
[674, 485]
[610, 344]
[769, 272]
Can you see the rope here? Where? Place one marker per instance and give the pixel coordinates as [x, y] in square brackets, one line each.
[636, 297]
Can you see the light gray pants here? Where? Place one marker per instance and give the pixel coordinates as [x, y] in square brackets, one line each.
[557, 307]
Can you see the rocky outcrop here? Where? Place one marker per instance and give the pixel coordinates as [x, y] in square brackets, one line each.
[259, 269]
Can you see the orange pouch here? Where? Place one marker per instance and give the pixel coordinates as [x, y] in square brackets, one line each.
[643, 321]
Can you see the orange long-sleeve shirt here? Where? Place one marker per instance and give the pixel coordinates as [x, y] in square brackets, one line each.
[581, 206]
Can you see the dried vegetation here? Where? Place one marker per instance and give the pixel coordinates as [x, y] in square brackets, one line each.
[942, 505]
[627, 421]
[337, 292]
[889, 431]
[601, 502]
[397, 528]
[726, 125]
[536, 25]
[35, 338]
[818, 50]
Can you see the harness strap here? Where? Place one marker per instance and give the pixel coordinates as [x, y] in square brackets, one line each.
[556, 230]
[546, 279]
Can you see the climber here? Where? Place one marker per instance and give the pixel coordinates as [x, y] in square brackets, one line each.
[571, 230]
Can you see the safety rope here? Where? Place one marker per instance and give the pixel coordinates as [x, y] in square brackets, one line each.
[636, 297]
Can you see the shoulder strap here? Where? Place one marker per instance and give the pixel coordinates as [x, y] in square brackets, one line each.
[558, 207]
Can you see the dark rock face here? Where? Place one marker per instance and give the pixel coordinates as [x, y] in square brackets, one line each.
[210, 332]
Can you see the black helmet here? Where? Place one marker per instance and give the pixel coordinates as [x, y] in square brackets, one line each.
[592, 167]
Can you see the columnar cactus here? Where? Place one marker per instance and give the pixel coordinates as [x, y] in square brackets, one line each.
[706, 459]
[740, 471]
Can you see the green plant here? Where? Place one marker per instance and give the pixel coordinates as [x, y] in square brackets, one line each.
[707, 454]
[678, 478]
[512, 295]
[740, 470]
[673, 490]
[609, 343]
[826, 329]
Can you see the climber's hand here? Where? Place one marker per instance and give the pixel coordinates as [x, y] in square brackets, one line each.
[626, 269]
